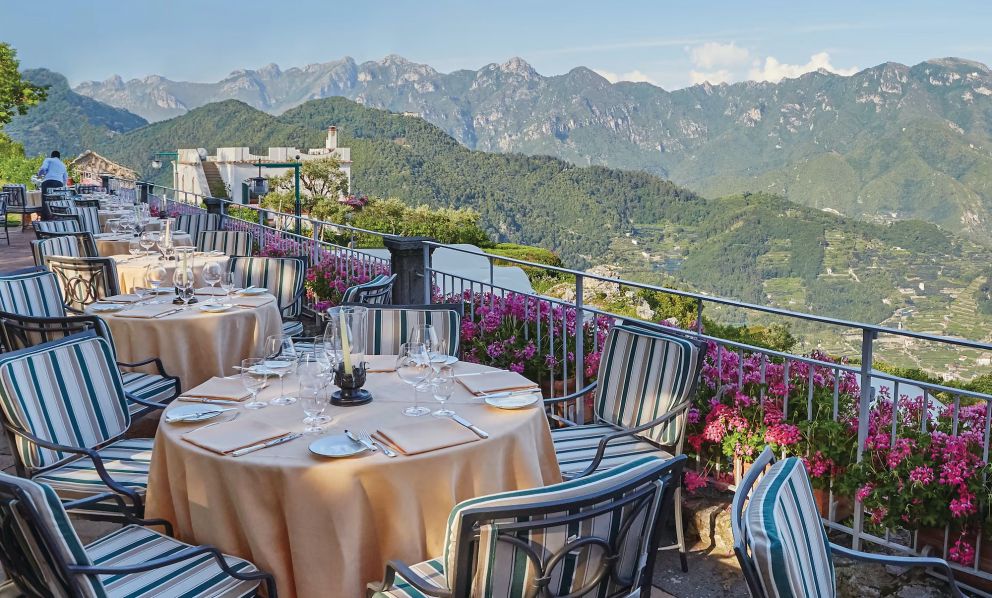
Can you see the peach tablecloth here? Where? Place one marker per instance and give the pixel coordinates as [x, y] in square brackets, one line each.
[194, 345]
[108, 244]
[325, 527]
[131, 271]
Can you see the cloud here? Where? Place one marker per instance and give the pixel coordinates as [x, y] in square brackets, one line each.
[634, 76]
[719, 76]
[714, 54]
[775, 71]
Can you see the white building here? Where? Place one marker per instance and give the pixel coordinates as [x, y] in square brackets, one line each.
[224, 174]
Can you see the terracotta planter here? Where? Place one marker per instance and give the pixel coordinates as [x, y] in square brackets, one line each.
[740, 470]
[842, 505]
[934, 538]
[560, 388]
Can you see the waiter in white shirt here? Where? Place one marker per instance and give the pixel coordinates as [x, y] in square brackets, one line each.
[53, 175]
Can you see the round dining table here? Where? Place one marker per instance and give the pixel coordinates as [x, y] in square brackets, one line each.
[194, 345]
[131, 270]
[326, 526]
[109, 244]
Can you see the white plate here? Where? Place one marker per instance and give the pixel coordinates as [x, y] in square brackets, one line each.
[336, 445]
[106, 308]
[193, 413]
[253, 291]
[514, 401]
[215, 308]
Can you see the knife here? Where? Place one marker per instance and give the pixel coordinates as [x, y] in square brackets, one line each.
[478, 431]
[168, 313]
[508, 393]
[355, 438]
[267, 444]
[206, 400]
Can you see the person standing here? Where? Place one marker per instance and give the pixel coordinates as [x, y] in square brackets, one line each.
[53, 175]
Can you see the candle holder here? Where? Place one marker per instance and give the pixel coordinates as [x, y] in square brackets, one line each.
[351, 394]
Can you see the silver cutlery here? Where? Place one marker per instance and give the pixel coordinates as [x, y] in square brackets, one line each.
[363, 434]
[360, 440]
[509, 393]
[264, 445]
[208, 401]
[192, 417]
[168, 313]
[478, 431]
[223, 421]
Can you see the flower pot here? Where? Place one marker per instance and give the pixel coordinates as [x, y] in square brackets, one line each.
[740, 470]
[842, 504]
[560, 388]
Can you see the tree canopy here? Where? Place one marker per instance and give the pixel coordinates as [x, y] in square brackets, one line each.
[16, 93]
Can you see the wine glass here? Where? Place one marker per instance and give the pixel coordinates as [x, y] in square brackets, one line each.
[212, 274]
[182, 279]
[280, 356]
[155, 275]
[114, 225]
[227, 282]
[313, 393]
[413, 367]
[253, 377]
[148, 241]
[134, 247]
[426, 335]
[443, 386]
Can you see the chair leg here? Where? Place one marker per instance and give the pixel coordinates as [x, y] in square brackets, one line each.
[679, 531]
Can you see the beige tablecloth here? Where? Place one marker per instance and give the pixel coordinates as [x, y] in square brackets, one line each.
[34, 199]
[325, 527]
[193, 345]
[153, 224]
[108, 244]
[131, 271]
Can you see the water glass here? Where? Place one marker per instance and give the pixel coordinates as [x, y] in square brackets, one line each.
[443, 386]
[426, 335]
[281, 358]
[134, 247]
[413, 367]
[254, 375]
[313, 394]
[212, 274]
[227, 281]
[155, 276]
[182, 279]
[114, 225]
[148, 241]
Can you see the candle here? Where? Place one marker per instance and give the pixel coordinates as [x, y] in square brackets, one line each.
[345, 346]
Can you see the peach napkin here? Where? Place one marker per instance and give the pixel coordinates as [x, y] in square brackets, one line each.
[147, 310]
[230, 436]
[421, 437]
[219, 388]
[252, 302]
[125, 298]
[381, 363]
[488, 382]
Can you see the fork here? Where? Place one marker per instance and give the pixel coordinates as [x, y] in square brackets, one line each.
[364, 435]
[223, 421]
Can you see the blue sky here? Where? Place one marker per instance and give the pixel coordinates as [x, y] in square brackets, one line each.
[672, 44]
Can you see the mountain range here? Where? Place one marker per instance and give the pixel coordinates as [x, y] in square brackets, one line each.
[890, 142]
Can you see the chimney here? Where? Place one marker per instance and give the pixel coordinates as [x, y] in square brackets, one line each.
[332, 139]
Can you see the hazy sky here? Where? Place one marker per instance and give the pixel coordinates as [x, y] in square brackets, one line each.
[672, 44]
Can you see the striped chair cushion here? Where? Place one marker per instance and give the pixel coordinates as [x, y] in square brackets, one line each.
[127, 461]
[575, 447]
[65, 546]
[197, 577]
[388, 328]
[501, 568]
[229, 241]
[67, 246]
[89, 218]
[283, 276]
[355, 293]
[432, 571]
[782, 526]
[148, 387]
[194, 224]
[292, 328]
[643, 374]
[68, 392]
[36, 294]
[57, 226]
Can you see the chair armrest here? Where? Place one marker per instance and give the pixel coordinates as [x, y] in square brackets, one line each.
[153, 360]
[412, 577]
[98, 498]
[909, 561]
[151, 404]
[605, 440]
[573, 396]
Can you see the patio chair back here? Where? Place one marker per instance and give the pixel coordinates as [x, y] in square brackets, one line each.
[18, 195]
[377, 291]
[86, 241]
[87, 203]
[38, 542]
[595, 536]
[89, 218]
[84, 280]
[36, 293]
[389, 327]
[61, 245]
[231, 242]
[62, 225]
[642, 376]
[23, 332]
[68, 392]
[194, 224]
[282, 276]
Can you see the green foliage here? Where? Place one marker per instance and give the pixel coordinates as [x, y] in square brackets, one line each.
[15, 167]
[16, 93]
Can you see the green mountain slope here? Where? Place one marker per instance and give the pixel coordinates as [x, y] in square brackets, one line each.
[67, 121]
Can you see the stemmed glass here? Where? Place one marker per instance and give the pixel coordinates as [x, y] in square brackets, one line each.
[280, 355]
[426, 335]
[413, 367]
[155, 275]
[443, 386]
[227, 283]
[134, 248]
[212, 274]
[182, 279]
[253, 377]
[148, 241]
[313, 393]
[114, 225]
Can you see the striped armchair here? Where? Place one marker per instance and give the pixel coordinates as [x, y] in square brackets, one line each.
[596, 536]
[389, 326]
[231, 242]
[63, 245]
[377, 291]
[87, 243]
[89, 218]
[84, 280]
[68, 225]
[35, 293]
[282, 276]
[40, 551]
[65, 413]
[194, 224]
[780, 542]
[644, 387]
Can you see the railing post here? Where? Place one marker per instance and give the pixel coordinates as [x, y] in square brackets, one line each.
[580, 357]
[213, 205]
[864, 411]
[428, 250]
[408, 264]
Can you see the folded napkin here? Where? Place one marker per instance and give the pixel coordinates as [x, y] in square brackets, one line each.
[220, 388]
[125, 298]
[257, 301]
[147, 311]
[381, 363]
[430, 435]
[488, 382]
[230, 436]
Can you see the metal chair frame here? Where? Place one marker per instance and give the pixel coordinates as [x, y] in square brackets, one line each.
[86, 240]
[4, 200]
[79, 291]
